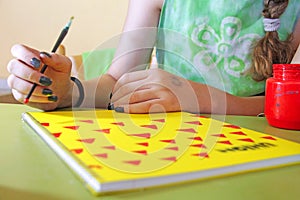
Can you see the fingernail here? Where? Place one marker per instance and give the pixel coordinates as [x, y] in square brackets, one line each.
[52, 98]
[110, 106]
[45, 81]
[119, 109]
[110, 96]
[47, 91]
[45, 53]
[36, 63]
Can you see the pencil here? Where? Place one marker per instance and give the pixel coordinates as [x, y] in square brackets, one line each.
[56, 45]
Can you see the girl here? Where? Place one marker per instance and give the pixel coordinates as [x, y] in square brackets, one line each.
[215, 57]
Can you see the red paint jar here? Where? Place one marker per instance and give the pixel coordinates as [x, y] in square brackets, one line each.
[282, 102]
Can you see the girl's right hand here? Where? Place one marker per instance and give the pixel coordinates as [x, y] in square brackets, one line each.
[54, 87]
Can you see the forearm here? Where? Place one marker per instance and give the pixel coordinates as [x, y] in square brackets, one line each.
[212, 100]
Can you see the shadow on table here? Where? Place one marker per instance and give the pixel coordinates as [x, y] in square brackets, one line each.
[12, 194]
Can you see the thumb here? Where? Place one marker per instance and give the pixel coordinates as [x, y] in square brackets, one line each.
[57, 62]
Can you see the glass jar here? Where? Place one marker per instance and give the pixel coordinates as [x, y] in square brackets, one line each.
[282, 101]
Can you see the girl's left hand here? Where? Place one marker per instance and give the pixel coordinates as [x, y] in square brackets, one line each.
[153, 90]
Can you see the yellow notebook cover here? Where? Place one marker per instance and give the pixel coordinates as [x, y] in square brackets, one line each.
[113, 151]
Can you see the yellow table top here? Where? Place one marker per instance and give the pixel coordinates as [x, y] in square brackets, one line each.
[26, 174]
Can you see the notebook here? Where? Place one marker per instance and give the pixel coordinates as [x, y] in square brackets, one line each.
[112, 151]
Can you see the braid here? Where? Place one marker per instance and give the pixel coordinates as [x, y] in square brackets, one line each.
[270, 49]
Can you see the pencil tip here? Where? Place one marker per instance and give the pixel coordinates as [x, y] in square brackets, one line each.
[70, 22]
[26, 100]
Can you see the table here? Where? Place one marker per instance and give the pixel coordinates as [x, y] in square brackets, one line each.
[26, 174]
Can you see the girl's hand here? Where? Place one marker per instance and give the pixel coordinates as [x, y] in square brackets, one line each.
[153, 90]
[54, 88]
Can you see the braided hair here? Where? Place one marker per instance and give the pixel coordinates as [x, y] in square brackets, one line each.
[270, 49]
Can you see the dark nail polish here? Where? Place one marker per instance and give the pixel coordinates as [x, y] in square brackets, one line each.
[110, 96]
[110, 106]
[47, 91]
[119, 109]
[35, 62]
[45, 53]
[52, 98]
[45, 81]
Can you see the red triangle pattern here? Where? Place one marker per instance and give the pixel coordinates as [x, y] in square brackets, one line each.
[45, 124]
[142, 135]
[118, 123]
[152, 126]
[247, 140]
[173, 159]
[77, 151]
[232, 126]
[159, 120]
[101, 155]
[195, 123]
[143, 152]
[89, 140]
[57, 134]
[109, 147]
[107, 131]
[238, 133]
[219, 135]
[203, 155]
[197, 115]
[72, 127]
[133, 162]
[196, 138]
[202, 146]
[172, 148]
[187, 130]
[169, 141]
[225, 142]
[87, 121]
[145, 144]
[269, 138]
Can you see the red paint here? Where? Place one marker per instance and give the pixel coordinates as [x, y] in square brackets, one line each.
[238, 133]
[169, 141]
[195, 138]
[247, 140]
[232, 126]
[199, 146]
[26, 101]
[142, 135]
[57, 135]
[145, 144]
[133, 162]
[173, 159]
[282, 102]
[107, 131]
[143, 152]
[101, 155]
[152, 126]
[187, 130]
[72, 127]
[89, 140]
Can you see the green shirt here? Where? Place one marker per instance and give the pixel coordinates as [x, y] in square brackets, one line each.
[209, 41]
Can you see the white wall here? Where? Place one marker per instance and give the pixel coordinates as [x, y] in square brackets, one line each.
[38, 23]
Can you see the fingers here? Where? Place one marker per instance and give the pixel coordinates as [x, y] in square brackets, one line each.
[23, 71]
[34, 98]
[26, 54]
[150, 106]
[24, 87]
[36, 59]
